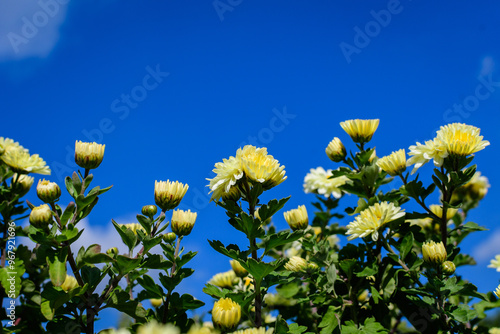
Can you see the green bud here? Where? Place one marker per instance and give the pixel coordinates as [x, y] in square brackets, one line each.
[41, 216]
[149, 210]
[169, 237]
[448, 268]
[48, 191]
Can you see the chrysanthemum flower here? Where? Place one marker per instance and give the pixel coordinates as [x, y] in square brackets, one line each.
[297, 219]
[23, 184]
[7, 143]
[40, 216]
[371, 219]
[228, 173]
[317, 181]
[224, 280]
[335, 150]
[421, 154]
[495, 263]
[296, 264]
[69, 283]
[153, 327]
[461, 139]
[48, 191]
[497, 291]
[360, 130]
[393, 164]
[434, 252]
[260, 330]
[238, 268]
[168, 194]
[183, 221]
[475, 189]
[88, 155]
[116, 331]
[494, 330]
[226, 313]
[261, 167]
[438, 211]
[198, 329]
[22, 162]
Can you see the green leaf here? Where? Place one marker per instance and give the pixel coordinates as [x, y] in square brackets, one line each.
[68, 213]
[120, 300]
[93, 255]
[329, 321]
[77, 183]
[126, 264]
[368, 271]
[266, 211]
[296, 329]
[232, 251]
[406, 245]
[147, 283]
[288, 290]
[259, 270]
[70, 187]
[129, 238]
[10, 277]
[57, 266]
[470, 226]
[156, 261]
[347, 266]
[185, 259]
[281, 238]
[370, 326]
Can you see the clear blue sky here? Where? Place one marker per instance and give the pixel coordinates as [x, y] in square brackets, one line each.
[172, 87]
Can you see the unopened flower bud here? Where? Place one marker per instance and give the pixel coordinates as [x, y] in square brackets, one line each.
[88, 155]
[41, 216]
[434, 252]
[297, 219]
[149, 210]
[169, 237]
[226, 314]
[448, 268]
[296, 264]
[224, 280]
[156, 302]
[112, 251]
[69, 283]
[23, 184]
[312, 267]
[336, 150]
[360, 130]
[233, 194]
[238, 268]
[48, 191]
[168, 194]
[183, 222]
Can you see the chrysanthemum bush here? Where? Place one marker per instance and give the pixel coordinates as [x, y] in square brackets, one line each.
[395, 274]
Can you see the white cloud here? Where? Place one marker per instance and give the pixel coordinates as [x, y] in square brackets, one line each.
[30, 28]
[487, 249]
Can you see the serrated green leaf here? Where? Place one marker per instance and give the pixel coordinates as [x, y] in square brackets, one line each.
[57, 266]
[281, 238]
[329, 321]
[266, 211]
[129, 238]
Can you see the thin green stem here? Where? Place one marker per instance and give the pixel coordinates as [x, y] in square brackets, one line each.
[172, 273]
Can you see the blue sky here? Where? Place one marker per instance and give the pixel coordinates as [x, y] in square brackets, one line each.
[172, 87]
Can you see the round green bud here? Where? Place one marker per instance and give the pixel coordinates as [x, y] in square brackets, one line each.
[48, 191]
[448, 268]
[41, 216]
[169, 237]
[149, 210]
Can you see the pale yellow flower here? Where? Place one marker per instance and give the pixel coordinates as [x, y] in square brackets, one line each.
[393, 164]
[497, 291]
[116, 331]
[238, 268]
[272, 300]
[475, 189]
[7, 143]
[48, 191]
[360, 130]
[168, 194]
[260, 330]
[297, 219]
[22, 162]
[69, 283]
[371, 219]
[198, 329]
[153, 327]
[461, 139]
[495, 263]
[224, 280]
[438, 211]
[434, 252]
[156, 302]
[422, 222]
[421, 154]
[183, 221]
[40, 216]
[494, 330]
[88, 155]
[335, 150]
[226, 313]
[227, 173]
[23, 184]
[296, 264]
[261, 167]
[319, 181]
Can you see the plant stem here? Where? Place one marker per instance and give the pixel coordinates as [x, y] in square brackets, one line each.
[172, 273]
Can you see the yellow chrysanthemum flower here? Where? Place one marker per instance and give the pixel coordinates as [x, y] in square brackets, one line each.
[296, 264]
[422, 222]
[261, 167]
[495, 263]
[319, 181]
[69, 283]
[48, 191]
[494, 330]
[238, 268]
[475, 189]
[153, 327]
[260, 330]
[438, 211]
[227, 173]
[461, 139]
[226, 313]
[41, 216]
[393, 164]
[224, 280]
[116, 331]
[434, 252]
[371, 219]
[23, 184]
[134, 227]
[336, 150]
[183, 222]
[7, 143]
[297, 219]
[497, 291]
[421, 154]
[360, 130]
[22, 162]
[88, 155]
[198, 329]
[168, 194]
